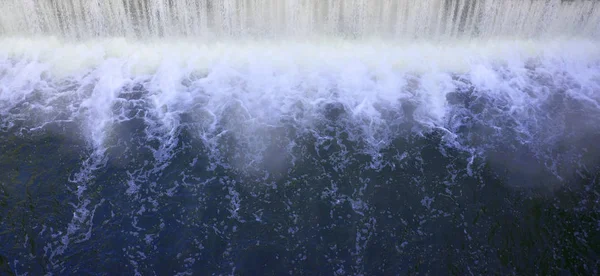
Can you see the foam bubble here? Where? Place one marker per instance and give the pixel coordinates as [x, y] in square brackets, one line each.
[252, 91]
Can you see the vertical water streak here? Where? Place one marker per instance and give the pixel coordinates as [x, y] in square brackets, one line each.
[424, 19]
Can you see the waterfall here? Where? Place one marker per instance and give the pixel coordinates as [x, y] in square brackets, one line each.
[398, 19]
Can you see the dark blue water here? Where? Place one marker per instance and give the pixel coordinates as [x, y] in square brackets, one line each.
[479, 201]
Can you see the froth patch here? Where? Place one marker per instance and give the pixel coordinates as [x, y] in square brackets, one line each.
[69, 58]
[258, 97]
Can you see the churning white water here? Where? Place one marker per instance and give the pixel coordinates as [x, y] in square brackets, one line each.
[247, 67]
[249, 87]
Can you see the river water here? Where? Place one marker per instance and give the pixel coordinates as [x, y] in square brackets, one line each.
[317, 138]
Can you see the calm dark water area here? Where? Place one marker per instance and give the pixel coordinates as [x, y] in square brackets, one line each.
[473, 197]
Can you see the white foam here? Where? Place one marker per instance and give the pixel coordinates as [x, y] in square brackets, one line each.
[146, 57]
[246, 88]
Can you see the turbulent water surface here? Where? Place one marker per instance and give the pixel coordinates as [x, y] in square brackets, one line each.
[190, 137]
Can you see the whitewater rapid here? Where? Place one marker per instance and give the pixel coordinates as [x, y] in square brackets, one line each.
[265, 81]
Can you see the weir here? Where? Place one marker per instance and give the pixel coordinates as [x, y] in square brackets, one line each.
[211, 19]
[303, 137]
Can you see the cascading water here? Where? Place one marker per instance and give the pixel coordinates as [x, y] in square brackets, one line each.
[355, 137]
[428, 19]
